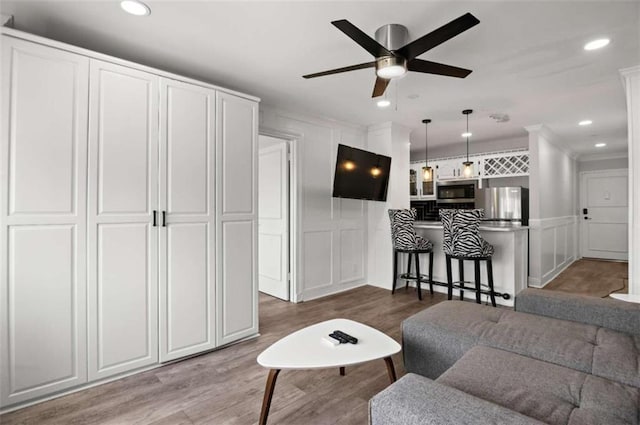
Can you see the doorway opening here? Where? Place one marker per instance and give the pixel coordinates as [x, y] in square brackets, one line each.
[277, 216]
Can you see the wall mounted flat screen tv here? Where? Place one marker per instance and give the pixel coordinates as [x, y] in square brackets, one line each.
[361, 174]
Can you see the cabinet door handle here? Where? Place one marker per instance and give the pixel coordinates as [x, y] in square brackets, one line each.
[155, 218]
[164, 219]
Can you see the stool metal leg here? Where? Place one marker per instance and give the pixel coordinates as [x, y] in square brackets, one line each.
[490, 282]
[395, 271]
[449, 279]
[408, 271]
[431, 272]
[418, 276]
[476, 264]
[461, 274]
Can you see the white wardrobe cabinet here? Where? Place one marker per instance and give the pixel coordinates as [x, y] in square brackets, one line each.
[43, 221]
[128, 224]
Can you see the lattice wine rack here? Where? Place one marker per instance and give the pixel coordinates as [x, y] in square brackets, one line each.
[507, 164]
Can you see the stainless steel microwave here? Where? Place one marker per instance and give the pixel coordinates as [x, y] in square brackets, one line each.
[456, 192]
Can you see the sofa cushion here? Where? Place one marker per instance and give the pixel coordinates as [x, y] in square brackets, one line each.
[541, 390]
[609, 313]
[437, 337]
[416, 400]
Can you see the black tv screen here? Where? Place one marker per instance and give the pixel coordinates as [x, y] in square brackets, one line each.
[361, 174]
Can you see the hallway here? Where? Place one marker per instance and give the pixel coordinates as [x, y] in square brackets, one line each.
[597, 278]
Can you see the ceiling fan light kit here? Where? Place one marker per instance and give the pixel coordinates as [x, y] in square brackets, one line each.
[394, 57]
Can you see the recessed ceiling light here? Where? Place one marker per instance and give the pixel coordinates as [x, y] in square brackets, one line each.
[135, 7]
[600, 145]
[585, 122]
[383, 103]
[466, 134]
[596, 44]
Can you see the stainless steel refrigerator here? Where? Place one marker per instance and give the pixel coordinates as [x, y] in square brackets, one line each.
[504, 204]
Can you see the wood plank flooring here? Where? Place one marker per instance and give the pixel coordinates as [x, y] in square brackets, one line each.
[226, 386]
[596, 278]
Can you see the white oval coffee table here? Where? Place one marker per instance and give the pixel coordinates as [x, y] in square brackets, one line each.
[306, 349]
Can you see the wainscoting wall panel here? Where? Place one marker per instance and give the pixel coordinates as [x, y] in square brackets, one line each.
[554, 240]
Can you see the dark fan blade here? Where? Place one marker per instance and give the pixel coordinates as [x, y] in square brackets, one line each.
[380, 87]
[439, 36]
[339, 70]
[366, 42]
[428, 67]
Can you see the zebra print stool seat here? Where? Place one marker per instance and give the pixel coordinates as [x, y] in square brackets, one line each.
[462, 241]
[406, 240]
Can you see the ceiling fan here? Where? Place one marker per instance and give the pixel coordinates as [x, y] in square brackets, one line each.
[394, 57]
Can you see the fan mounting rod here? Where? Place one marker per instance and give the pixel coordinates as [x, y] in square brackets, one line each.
[392, 36]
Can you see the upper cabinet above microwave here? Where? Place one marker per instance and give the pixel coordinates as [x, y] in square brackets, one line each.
[485, 166]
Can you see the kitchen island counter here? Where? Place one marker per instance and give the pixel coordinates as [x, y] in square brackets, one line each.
[510, 259]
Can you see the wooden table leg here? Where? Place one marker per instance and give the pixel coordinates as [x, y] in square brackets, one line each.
[342, 371]
[390, 369]
[268, 395]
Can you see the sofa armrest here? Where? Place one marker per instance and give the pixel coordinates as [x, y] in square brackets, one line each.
[416, 400]
[609, 313]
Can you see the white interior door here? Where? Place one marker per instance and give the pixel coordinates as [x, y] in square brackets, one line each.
[43, 172]
[122, 239]
[187, 237]
[273, 217]
[604, 214]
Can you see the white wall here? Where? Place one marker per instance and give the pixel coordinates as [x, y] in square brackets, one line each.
[553, 192]
[332, 239]
[631, 81]
[460, 148]
[391, 140]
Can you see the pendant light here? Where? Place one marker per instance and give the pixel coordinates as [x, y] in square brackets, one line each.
[427, 173]
[467, 171]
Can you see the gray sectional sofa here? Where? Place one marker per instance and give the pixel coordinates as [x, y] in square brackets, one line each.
[557, 359]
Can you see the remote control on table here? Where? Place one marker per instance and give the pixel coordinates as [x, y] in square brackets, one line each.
[346, 336]
[338, 338]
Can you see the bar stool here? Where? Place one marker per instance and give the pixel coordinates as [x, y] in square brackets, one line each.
[406, 240]
[462, 241]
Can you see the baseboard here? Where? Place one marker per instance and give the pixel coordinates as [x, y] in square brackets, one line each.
[313, 294]
[556, 273]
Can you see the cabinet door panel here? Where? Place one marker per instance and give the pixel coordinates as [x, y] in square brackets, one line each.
[42, 220]
[123, 292]
[237, 118]
[123, 243]
[237, 218]
[187, 244]
[238, 293]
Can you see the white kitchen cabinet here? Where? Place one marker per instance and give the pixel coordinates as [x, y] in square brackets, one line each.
[42, 221]
[236, 193]
[123, 241]
[187, 242]
[423, 190]
[448, 169]
[128, 209]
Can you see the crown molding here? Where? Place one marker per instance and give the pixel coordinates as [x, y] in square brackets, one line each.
[602, 156]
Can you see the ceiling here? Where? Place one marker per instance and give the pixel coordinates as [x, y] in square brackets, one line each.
[527, 57]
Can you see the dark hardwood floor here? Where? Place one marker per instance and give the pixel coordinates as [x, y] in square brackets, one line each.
[226, 386]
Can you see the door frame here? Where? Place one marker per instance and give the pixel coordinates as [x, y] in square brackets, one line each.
[294, 217]
[581, 196]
